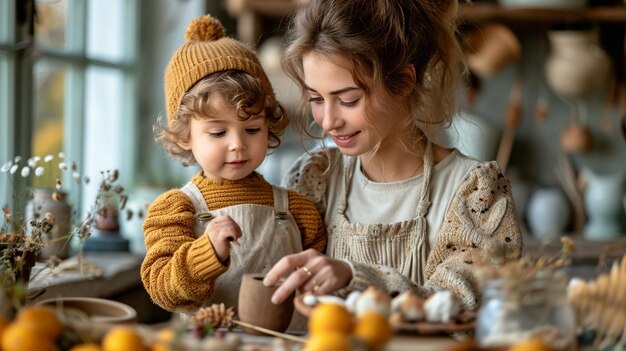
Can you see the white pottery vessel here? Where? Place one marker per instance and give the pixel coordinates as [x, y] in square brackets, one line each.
[576, 65]
[548, 213]
[43, 203]
[473, 135]
[603, 204]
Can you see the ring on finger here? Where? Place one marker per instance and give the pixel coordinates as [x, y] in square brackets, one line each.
[307, 271]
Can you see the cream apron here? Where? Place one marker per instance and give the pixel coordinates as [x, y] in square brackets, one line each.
[268, 234]
[402, 245]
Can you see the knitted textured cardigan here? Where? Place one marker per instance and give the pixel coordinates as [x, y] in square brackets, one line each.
[479, 227]
[179, 270]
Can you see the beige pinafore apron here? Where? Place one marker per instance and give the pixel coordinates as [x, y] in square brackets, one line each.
[268, 234]
[402, 245]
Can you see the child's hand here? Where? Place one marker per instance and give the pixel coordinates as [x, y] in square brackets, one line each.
[222, 230]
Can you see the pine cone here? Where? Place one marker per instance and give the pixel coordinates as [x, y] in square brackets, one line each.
[215, 315]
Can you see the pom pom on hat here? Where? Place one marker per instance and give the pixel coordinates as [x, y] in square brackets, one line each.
[204, 28]
[206, 51]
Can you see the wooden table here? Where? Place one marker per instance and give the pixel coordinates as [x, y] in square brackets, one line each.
[419, 343]
[119, 280]
[397, 343]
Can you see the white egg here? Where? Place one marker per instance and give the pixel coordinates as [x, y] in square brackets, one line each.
[373, 300]
[396, 301]
[409, 305]
[331, 299]
[309, 299]
[441, 307]
[351, 300]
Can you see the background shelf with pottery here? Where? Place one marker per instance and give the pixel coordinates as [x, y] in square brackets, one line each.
[582, 124]
[489, 12]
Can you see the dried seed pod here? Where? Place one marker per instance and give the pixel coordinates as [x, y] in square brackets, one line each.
[601, 304]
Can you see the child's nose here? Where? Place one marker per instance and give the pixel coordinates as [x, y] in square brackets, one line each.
[236, 142]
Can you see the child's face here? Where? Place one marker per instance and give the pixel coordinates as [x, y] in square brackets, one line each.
[339, 107]
[225, 147]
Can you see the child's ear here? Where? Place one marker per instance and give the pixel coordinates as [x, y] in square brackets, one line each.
[185, 144]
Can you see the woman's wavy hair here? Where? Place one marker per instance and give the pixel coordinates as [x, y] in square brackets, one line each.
[244, 92]
[378, 40]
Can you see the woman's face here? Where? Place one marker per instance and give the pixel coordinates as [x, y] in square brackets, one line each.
[339, 106]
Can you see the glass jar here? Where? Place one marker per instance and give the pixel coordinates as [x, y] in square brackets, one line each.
[515, 310]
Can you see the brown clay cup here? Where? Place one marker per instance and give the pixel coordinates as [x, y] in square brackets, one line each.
[256, 307]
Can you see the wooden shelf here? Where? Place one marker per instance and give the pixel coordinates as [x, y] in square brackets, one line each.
[586, 251]
[483, 13]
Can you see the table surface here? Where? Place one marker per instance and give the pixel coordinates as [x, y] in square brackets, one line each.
[419, 343]
[397, 343]
[119, 271]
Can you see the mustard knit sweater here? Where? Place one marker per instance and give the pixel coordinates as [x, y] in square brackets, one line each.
[179, 270]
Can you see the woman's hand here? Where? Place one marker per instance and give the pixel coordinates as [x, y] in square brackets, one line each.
[308, 271]
[222, 230]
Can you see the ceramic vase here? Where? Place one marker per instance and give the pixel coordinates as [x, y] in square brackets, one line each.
[491, 48]
[255, 305]
[548, 213]
[473, 135]
[43, 203]
[603, 204]
[576, 65]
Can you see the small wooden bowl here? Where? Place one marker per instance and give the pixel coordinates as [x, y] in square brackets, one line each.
[97, 310]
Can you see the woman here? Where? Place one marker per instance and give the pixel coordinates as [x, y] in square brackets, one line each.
[379, 77]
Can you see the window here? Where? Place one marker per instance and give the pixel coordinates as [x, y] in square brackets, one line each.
[69, 84]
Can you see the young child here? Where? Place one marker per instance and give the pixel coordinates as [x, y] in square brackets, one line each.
[402, 213]
[222, 114]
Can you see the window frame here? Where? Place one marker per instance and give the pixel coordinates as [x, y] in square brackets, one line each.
[17, 47]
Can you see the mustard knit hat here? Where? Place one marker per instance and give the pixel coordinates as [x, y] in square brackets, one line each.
[206, 50]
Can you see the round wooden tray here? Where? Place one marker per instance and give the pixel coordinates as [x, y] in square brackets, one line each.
[465, 321]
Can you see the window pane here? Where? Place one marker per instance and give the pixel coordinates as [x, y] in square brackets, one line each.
[48, 125]
[51, 23]
[104, 144]
[6, 21]
[5, 127]
[106, 30]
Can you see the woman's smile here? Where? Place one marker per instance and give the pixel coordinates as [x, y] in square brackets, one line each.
[346, 139]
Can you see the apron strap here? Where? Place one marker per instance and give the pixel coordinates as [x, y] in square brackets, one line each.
[195, 195]
[424, 203]
[417, 258]
[281, 202]
[349, 163]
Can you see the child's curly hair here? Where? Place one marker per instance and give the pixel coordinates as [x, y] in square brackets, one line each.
[244, 92]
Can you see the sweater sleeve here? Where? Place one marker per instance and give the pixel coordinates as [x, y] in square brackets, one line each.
[309, 221]
[309, 175]
[479, 228]
[179, 270]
